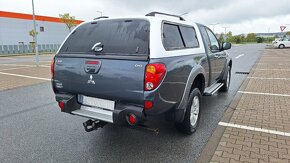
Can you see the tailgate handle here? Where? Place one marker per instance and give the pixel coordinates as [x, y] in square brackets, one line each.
[92, 67]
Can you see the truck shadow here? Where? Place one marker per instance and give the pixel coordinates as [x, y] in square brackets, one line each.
[125, 144]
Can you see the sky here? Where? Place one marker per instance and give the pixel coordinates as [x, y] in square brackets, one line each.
[239, 16]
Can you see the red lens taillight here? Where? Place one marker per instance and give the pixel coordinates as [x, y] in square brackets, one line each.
[153, 76]
[52, 68]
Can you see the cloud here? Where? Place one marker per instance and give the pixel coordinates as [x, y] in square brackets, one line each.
[241, 15]
[243, 10]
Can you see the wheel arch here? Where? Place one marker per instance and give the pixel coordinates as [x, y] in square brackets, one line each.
[282, 45]
[196, 79]
[198, 82]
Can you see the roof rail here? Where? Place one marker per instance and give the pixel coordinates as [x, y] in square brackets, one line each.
[161, 13]
[101, 17]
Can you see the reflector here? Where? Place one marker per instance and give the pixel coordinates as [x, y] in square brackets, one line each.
[148, 104]
[61, 105]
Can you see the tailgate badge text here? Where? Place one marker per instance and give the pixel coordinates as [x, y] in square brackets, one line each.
[91, 81]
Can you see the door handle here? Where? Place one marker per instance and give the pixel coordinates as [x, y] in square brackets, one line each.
[217, 55]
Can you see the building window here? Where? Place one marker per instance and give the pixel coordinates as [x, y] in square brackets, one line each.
[41, 29]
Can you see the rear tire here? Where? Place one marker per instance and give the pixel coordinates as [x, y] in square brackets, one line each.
[226, 81]
[192, 113]
[281, 46]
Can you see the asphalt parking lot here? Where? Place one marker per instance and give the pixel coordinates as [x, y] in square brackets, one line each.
[34, 130]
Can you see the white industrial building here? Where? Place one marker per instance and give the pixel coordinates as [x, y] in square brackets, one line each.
[15, 27]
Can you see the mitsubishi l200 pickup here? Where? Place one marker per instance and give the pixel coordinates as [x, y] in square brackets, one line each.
[125, 70]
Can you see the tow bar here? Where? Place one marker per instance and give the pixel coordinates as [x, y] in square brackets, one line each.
[91, 125]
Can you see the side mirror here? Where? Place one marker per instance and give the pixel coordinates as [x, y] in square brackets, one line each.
[227, 46]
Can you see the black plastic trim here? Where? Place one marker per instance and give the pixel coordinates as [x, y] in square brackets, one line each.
[161, 13]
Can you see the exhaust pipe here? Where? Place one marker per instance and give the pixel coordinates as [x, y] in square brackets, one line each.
[142, 127]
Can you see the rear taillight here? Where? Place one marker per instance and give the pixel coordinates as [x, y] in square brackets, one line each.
[154, 74]
[52, 68]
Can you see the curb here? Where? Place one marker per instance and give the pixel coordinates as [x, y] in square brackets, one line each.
[210, 147]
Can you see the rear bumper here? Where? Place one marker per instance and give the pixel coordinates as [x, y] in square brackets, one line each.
[117, 116]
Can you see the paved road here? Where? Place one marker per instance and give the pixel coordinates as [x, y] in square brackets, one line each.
[33, 129]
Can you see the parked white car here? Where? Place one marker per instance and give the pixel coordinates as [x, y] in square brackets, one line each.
[282, 43]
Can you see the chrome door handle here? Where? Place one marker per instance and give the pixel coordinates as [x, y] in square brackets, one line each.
[217, 55]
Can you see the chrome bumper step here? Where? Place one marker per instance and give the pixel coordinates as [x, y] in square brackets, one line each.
[95, 113]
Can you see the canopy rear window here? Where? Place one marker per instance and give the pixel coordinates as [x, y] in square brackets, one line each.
[117, 37]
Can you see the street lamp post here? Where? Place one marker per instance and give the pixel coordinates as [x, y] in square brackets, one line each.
[100, 13]
[213, 26]
[35, 37]
[225, 29]
[184, 14]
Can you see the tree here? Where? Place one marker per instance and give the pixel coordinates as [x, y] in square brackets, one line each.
[221, 38]
[230, 34]
[251, 37]
[229, 37]
[69, 21]
[259, 39]
[288, 33]
[33, 34]
[243, 39]
[236, 39]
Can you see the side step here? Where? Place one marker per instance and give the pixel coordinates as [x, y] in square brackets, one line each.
[209, 91]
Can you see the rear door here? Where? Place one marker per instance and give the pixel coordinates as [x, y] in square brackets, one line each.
[105, 59]
[218, 57]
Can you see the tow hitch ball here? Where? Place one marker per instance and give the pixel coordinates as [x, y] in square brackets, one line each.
[91, 125]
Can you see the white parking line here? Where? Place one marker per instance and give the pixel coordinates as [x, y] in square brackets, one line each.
[268, 78]
[273, 69]
[280, 64]
[24, 76]
[276, 57]
[44, 65]
[45, 61]
[5, 64]
[254, 129]
[239, 56]
[14, 68]
[267, 94]
[5, 58]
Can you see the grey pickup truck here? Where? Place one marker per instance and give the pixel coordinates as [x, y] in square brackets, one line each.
[125, 70]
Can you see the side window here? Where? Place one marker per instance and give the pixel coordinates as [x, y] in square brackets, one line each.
[189, 36]
[171, 37]
[214, 43]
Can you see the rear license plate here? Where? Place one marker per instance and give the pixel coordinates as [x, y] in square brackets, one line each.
[97, 102]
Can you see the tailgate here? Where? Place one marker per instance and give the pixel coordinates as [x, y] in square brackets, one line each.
[102, 78]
